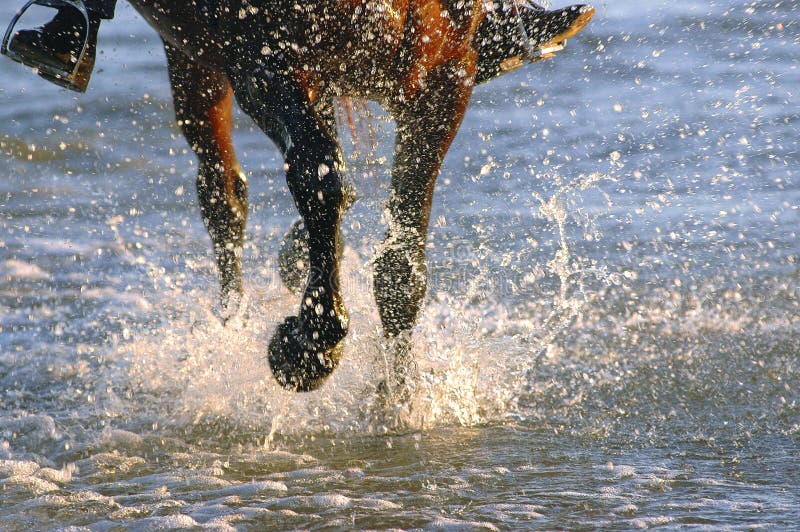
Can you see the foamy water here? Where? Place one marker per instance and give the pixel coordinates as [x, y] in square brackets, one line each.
[609, 340]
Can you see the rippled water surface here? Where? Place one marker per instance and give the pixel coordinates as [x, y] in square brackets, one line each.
[610, 338]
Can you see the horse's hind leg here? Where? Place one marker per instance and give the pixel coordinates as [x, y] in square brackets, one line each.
[305, 349]
[203, 105]
[501, 42]
[426, 125]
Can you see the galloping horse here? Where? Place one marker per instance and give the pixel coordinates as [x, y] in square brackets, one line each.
[285, 62]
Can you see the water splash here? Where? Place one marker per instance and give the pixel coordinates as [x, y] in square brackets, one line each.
[190, 371]
[572, 295]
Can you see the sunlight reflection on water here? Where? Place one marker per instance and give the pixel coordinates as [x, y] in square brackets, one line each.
[609, 339]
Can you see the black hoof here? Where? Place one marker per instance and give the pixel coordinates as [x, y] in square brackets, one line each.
[300, 364]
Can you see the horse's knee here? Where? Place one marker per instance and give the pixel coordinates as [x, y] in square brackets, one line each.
[400, 282]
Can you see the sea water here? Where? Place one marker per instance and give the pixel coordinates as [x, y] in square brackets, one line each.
[610, 337]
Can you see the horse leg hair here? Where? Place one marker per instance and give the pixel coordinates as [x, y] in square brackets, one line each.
[203, 101]
[305, 349]
[293, 255]
[426, 126]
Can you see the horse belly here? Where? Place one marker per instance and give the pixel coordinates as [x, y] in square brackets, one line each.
[353, 43]
[185, 26]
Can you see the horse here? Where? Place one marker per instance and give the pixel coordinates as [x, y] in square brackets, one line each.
[286, 63]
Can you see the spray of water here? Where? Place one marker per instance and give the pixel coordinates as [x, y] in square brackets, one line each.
[473, 360]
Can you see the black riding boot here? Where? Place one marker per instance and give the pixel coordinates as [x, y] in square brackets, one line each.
[56, 46]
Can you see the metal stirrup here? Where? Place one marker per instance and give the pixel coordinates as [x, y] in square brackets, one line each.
[49, 70]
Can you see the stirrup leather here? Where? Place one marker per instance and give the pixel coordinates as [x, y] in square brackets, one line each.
[67, 74]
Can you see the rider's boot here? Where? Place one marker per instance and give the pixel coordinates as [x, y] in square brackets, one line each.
[58, 44]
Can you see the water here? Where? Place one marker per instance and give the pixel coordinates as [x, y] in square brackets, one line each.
[610, 338]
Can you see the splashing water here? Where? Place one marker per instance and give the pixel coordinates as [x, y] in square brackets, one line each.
[609, 340]
[200, 371]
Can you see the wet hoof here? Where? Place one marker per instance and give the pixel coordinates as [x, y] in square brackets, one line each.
[298, 363]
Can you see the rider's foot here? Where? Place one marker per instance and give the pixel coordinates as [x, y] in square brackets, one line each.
[55, 47]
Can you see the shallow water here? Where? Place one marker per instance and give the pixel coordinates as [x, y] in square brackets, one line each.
[610, 338]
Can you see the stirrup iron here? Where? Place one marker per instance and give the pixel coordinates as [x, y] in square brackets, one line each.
[65, 75]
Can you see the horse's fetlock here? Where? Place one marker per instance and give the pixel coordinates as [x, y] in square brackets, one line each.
[333, 194]
[400, 283]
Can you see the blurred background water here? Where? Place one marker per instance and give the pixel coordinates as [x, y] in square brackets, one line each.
[610, 338]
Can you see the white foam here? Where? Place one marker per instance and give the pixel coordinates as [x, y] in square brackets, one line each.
[378, 505]
[9, 468]
[251, 488]
[450, 524]
[649, 522]
[223, 523]
[505, 511]
[625, 509]
[624, 471]
[321, 501]
[26, 485]
[59, 476]
[169, 522]
[194, 480]
[120, 439]
[306, 472]
[17, 270]
[111, 462]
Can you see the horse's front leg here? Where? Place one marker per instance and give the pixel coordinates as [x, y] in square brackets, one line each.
[293, 261]
[203, 105]
[305, 349]
[426, 125]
